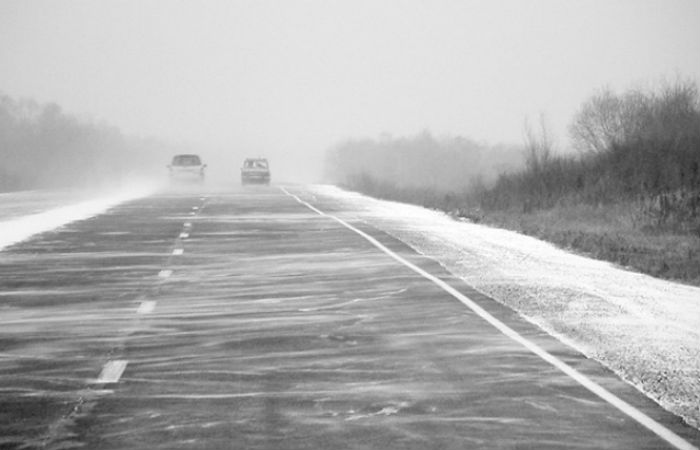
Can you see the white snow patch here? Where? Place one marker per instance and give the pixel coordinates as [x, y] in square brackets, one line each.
[645, 329]
[165, 273]
[112, 371]
[20, 228]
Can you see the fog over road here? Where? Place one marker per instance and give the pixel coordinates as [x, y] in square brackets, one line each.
[252, 318]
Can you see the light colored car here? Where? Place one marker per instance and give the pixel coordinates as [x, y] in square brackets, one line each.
[255, 170]
[187, 168]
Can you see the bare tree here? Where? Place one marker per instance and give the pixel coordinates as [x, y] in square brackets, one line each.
[538, 146]
[599, 123]
[607, 119]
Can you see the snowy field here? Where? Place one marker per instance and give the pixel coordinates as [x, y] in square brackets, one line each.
[23, 214]
[645, 329]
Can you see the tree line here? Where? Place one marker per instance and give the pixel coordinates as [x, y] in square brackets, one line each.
[641, 146]
[41, 146]
[421, 161]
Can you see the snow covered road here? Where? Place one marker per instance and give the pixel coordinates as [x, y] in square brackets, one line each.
[296, 319]
[645, 329]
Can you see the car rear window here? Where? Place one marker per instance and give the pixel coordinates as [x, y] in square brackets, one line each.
[255, 164]
[186, 160]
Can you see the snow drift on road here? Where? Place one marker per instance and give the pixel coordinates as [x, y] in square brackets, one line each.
[17, 227]
[645, 329]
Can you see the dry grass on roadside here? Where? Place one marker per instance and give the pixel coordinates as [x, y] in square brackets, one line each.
[622, 233]
[611, 234]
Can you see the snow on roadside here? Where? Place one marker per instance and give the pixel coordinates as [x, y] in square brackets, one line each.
[645, 329]
[17, 229]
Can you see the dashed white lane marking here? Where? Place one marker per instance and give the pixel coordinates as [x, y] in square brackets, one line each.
[184, 235]
[178, 251]
[112, 371]
[188, 225]
[632, 412]
[146, 307]
[195, 208]
[165, 273]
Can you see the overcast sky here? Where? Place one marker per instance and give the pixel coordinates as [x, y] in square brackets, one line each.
[295, 76]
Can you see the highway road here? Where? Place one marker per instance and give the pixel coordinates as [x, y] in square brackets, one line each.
[267, 318]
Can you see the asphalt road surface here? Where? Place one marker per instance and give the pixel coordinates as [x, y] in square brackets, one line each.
[247, 319]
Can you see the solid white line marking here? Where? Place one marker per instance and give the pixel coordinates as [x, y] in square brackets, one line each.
[165, 273]
[184, 235]
[146, 306]
[112, 371]
[641, 418]
[178, 251]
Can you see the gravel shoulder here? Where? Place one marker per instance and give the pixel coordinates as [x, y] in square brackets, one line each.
[645, 329]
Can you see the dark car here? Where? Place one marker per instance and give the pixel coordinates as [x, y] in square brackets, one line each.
[187, 168]
[255, 170]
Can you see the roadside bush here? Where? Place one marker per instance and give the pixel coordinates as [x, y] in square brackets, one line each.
[640, 147]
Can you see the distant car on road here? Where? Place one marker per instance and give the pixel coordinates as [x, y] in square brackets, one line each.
[187, 168]
[255, 170]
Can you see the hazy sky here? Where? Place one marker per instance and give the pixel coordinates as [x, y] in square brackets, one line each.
[288, 76]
